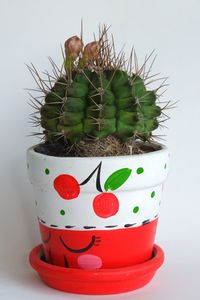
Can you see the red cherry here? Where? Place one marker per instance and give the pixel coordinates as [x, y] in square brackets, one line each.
[105, 205]
[67, 186]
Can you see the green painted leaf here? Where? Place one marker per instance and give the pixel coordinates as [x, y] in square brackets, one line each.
[116, 179]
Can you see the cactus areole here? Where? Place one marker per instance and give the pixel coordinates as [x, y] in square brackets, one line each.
[98, 176]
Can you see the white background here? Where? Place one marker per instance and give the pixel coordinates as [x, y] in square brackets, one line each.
[32, 30]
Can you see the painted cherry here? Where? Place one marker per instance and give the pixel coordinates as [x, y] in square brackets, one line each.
[105, 205]
[67, 186]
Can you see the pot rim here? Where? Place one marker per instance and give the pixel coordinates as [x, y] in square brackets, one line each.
[31, 150]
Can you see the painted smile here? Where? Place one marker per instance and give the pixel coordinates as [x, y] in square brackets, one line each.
[92, 242]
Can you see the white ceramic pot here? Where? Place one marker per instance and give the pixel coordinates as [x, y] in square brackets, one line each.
[98, 212]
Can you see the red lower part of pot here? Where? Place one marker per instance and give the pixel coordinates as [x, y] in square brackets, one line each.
[98, 249]
[96, 282]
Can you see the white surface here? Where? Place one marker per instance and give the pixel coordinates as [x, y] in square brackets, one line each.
[32, 30]
[134, 192]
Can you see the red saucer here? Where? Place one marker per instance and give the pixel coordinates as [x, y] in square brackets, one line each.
[99, 282]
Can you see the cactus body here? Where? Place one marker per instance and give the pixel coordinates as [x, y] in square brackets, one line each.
[99, 105]
[97, 97]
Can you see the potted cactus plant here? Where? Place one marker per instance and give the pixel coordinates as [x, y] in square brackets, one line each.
[98, 174]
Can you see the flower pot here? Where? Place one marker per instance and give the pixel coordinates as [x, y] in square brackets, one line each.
[98, 212]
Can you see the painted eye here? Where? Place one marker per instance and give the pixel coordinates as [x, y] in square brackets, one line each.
[67, 186]
[105, 205]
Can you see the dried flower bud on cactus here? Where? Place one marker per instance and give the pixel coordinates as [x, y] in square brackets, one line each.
[73, 47]
[91, 51]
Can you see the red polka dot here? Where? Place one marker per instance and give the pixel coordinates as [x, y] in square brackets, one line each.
[105, 205]
[67, 186]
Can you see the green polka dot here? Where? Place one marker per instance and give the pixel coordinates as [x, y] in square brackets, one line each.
[153, 194]
[27, 166]
[62, 212]
[140, 170]
[165, 166]
[47, 171]
[136, 209]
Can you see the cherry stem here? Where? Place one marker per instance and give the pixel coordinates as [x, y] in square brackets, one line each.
[98, 180]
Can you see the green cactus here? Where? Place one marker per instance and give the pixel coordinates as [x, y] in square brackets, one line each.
[97, 97]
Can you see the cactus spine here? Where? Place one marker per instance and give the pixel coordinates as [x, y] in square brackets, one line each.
[96, 96]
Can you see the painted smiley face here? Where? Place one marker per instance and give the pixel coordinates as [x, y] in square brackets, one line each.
[84, 261]
[97, 248]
